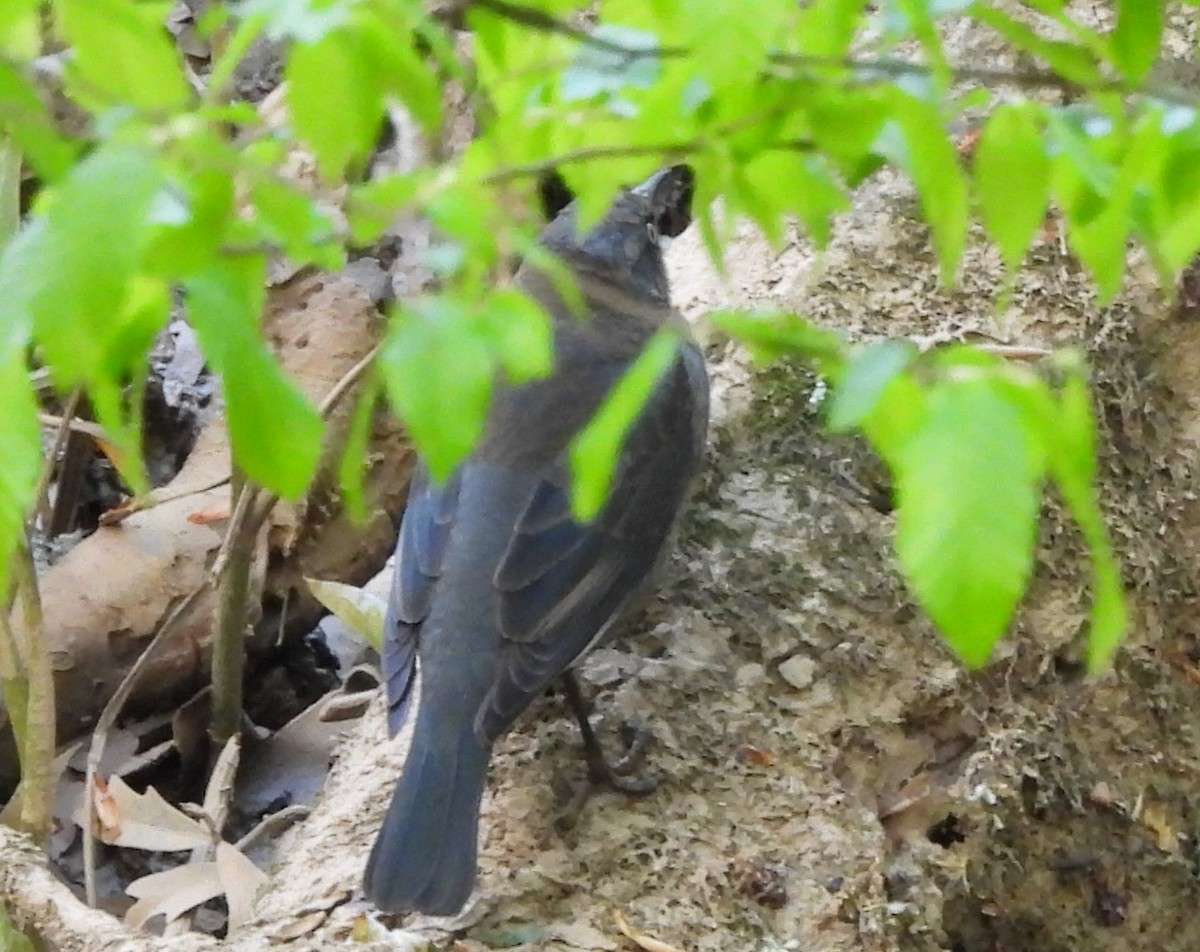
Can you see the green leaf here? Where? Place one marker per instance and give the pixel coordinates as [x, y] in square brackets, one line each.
[594, 70]
[864, 380]
[335, 98]
[403, 71]
[730, 42]
[846, 127]
[362, 612]
[372, 207]
[20, 447]
[439, 373]
[933, 166]
[1012, 175]
[68, 274]
[1099, 235]
[782, 182]
[596, 451]
[520, 333]
[1136, 40]
[968, 492]
[20, 33]
[306, 21]
[769, 335]
[24, 118]
[354, 463]
[827, 27]
[123, 54]
[1073, 464]
[189, 241]
[275, 431]
[1070, 60]
[291, 219]
[896, 416]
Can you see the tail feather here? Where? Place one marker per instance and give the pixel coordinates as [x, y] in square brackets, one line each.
[425, 857]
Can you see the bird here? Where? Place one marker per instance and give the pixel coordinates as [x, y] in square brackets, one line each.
[499, 589]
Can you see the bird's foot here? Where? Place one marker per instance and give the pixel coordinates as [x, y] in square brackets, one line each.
[619, 774]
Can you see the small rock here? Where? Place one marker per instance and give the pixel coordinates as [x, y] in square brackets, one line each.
[798, 671]
[748, 675]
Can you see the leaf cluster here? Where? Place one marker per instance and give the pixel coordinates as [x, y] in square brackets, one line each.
[782, 108]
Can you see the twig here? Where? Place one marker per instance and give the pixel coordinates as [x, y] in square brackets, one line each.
[1015, 351]
[108, 718]
[888, 67]
[120, 513]
[42, 491]
[348, 380]
[273, 825]
[94, 430]
[245, 503]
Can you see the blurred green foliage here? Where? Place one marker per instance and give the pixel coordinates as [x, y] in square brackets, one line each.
[782, 108]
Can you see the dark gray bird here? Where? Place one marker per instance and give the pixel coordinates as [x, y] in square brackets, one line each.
[498, 590]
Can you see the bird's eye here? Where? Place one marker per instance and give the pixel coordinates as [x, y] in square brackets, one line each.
[652, 232]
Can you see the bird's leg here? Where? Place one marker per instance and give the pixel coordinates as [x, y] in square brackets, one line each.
[602, 771]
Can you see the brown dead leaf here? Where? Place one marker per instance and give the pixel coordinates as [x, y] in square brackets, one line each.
[142, 821]
[217, 512]
[640, 939]
[756, 756]
[300, 927]
[172, 892]
[241, 881]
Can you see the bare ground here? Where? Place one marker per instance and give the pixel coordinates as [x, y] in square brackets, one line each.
[834, 780]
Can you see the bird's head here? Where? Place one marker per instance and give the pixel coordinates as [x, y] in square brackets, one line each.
[626, 246]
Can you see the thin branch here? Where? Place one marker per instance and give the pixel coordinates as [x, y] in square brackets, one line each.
[119, 514]
[41, 492]
[94, 430]
[108, 719]
[545, 23]
[348, 380]
[678, 149]
[890, 68]
[274, 824]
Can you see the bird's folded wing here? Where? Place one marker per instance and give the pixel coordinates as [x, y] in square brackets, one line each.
[563, 583]
[420, 556]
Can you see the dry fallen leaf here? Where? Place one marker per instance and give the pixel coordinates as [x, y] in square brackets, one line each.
[142, 821]
[217, 512]
[240, 881]
[172, 892]
[640, 939]
[362, 612]
[1154, 818]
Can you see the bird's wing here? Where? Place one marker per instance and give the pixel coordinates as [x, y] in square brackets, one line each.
[420, 556]
[563, 583]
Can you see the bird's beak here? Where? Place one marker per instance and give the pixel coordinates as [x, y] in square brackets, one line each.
[670, 192]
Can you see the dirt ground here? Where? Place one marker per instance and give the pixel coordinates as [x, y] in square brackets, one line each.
[834, 781]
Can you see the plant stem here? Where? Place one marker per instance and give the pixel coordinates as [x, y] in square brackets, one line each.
[229, 639]
[37, 750]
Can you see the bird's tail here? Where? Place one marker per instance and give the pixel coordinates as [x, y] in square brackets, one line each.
[425, 856]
